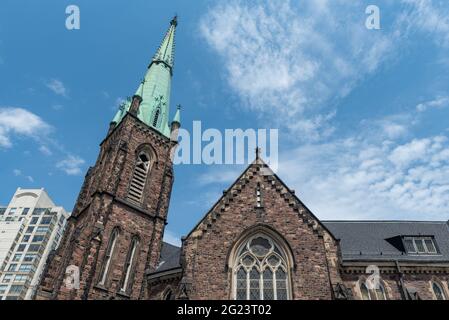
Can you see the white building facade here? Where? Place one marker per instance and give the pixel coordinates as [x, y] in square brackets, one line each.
[31, 226]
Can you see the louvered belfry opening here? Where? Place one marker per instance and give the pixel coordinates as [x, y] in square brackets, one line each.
[156, 117]
[139, 178]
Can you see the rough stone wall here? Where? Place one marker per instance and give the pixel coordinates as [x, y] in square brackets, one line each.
[208, 247]
[102, 205]
[420, 281]
[157, 290]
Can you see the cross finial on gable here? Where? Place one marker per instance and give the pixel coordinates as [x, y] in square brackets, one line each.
[258, 153]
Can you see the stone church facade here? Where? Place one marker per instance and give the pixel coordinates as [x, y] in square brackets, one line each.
[258, 241]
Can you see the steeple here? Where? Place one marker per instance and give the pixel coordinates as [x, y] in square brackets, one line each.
[154, 90]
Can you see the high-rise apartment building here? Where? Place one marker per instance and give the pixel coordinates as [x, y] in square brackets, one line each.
[31, 227]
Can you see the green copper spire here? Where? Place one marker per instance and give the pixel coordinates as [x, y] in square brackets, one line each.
[155, 87]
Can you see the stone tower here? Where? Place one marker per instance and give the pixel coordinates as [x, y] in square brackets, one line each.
[115, 232]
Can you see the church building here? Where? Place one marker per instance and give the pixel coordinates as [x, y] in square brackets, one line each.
[259, 241]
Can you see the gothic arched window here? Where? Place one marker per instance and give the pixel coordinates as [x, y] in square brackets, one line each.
[380, 293]
[260, 270]
[108, 256]
[365, 292]
[129, 265]
[372, 294]
[438, 291]
[139, 177]
[168, 295]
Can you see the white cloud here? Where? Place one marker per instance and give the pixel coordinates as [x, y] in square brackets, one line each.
[415, 150]
[431, 17]
[19, 121]
[172, 238]
[71, 165]
[439, 102]
[45, 150]
[289, 60]
[18, 173]
[370, 178]
[57, 87]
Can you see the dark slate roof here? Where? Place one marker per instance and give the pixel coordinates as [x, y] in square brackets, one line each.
[169, 258]
[381, 240]
[361, 241]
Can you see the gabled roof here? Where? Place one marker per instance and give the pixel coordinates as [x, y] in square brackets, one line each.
[381, 240]
[259, 162]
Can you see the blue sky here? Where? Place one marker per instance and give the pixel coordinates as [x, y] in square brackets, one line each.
[362, 114]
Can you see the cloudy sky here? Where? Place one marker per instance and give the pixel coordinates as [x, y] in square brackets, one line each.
[363, 115]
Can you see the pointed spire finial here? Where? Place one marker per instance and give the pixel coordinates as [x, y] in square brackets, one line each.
[258, 153]
[177, 117]
[174, 21]
[153, 92]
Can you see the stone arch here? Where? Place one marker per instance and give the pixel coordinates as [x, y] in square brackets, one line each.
[260, 256]
[436, 281]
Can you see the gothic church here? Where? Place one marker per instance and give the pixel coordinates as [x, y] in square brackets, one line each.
[258, 241]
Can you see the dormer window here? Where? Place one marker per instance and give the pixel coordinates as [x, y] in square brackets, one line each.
[420, 245]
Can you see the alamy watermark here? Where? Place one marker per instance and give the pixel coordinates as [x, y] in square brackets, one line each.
[231, 146]
[72, 277]
[373, 20]
[373, 280]
[73, 22]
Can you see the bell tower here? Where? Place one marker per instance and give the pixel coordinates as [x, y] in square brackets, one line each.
[115, 232]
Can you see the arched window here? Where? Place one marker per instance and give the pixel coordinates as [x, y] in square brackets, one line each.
[372, 294]
[139, 177]
[108, 256]
[260, 270]
[156, 117]
[168, 295]
[438, 291]
[380, 293]
[365, 292]
[129, 265]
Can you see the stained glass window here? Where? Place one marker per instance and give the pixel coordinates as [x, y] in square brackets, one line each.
[260, 271]
[241, 284]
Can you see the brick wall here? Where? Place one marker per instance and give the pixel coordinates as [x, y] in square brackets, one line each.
[102, 205]
[208, 247]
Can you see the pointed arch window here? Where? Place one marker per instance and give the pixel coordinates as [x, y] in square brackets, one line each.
[365, 292]
[139, 177]
[372, 294]
[438, 291]
[108, 256]
[260, 271]
[129, 265]
[168, 295]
